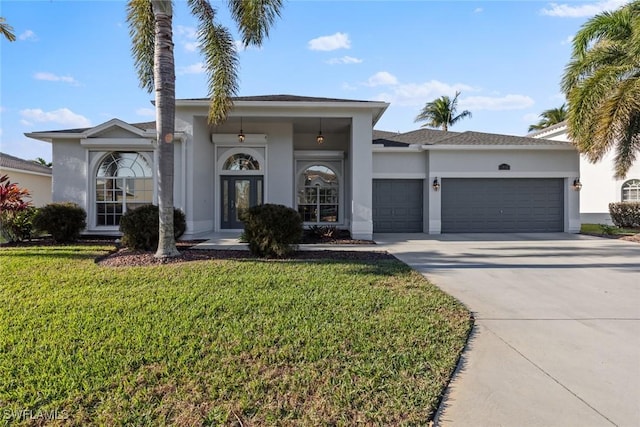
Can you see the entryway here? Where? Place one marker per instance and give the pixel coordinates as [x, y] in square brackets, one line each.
[238, 193]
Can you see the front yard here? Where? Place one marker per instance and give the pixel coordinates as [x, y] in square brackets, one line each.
[220, 342]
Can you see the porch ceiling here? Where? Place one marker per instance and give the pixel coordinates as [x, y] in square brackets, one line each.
[300, 124]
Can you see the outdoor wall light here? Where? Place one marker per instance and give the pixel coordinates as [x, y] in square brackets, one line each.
[577, 185]
[436, 184]
[320, 138]
[241, 135]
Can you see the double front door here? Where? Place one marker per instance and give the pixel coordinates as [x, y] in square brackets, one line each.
[238, 193]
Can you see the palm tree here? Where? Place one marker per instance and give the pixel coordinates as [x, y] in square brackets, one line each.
[441, 112]
[550, 117]
[602, 85]
[150, 27]
[7, 30]
[43, 162]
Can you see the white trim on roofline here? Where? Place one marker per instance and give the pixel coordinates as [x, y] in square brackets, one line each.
[4, 168]
[496, 147]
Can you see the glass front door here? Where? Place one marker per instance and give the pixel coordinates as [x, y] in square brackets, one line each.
[238, 193]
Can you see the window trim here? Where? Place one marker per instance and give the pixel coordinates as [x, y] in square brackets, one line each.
[99, 157]
[301, 168]
[629, 186]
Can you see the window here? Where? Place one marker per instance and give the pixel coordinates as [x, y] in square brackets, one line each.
[241, 162]
[318, 194]
[124, 181]
[631, 191]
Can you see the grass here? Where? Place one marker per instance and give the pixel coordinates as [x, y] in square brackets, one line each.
[221, 342]
[607, 229]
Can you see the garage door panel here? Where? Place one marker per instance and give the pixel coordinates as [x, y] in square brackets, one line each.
[502, 205]
[397, 205]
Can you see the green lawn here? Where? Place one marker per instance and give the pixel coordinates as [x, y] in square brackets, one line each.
[222, 342]
[607, 229]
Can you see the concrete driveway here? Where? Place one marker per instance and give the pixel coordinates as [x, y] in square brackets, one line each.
[557, 335]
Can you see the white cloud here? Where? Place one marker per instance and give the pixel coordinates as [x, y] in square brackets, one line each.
[62, 116]
[187, 36]
[345, 60]
[0, 131]
[582, 10]
[28, 35]
[146, 112]
[333, 42]
[478, 10]
[349, 87]
[568, 40]
[25, 122]
[416, 94]
[50, 77]
[191, 46]
[197, 68]
[507, 102]
[382, 78]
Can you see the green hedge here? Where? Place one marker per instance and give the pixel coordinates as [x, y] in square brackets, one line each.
[64, 221]
[272, 230]
[625, 214]
[140, 227]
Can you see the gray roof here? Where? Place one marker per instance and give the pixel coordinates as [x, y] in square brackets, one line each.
[439, 137]
[282, 98]
[9, 161]
[547, 129]
[142, 126]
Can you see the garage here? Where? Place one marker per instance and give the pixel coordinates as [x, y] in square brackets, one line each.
[397, 205]
[502, 205]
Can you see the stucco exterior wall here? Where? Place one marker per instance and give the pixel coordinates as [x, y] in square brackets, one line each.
[70, 180]
[524, 163]
[395, 164]
[38, 185]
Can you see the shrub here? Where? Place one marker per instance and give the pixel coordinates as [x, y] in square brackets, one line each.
[15, 211]
[625, 214]
[16, 226]
[64, 221]
[140, 226]
[272, 230]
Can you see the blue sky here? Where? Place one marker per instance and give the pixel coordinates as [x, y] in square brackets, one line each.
[71, 65]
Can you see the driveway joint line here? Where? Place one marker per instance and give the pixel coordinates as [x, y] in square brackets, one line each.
[549, 375]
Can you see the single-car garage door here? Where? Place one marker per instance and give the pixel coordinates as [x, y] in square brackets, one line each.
[397, 205]
[502, 205]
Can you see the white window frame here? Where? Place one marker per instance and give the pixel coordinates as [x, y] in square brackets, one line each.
[631, 187]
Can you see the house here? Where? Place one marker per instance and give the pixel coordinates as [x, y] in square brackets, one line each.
[599, 187]
[30, 175]
[322, 157]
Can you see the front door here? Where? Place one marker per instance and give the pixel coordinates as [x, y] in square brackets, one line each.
[238, 193]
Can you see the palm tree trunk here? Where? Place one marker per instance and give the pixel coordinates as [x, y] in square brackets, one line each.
[164, 75]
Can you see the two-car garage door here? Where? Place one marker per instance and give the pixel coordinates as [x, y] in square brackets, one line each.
[472, 205]
[502, 205]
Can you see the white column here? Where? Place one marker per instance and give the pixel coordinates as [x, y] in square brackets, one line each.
[361, 164]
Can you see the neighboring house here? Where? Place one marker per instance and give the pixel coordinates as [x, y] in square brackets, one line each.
[599, 187]
[30, 175]
[363, 180]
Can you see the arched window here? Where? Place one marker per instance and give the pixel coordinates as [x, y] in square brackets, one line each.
[241, 162]
[318, 194]
[124, 181]
[631, 191]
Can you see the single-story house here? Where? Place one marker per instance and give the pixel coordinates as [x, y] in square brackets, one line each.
[322, 157]
[30, 175]
[599, 187]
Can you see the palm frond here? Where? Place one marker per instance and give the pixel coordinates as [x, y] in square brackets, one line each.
[221, 60]
[141, 30]
[7, 30]
[255, 18]
[627, 148]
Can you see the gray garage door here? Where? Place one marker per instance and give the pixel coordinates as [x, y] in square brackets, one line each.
[502, 205]
[397, 205]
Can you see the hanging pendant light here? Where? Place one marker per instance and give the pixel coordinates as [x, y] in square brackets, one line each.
[241, 135]
[320, 138]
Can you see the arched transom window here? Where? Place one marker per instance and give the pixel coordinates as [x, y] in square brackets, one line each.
[318, 194]
[124, 181]
[631, 191]
[241, 162]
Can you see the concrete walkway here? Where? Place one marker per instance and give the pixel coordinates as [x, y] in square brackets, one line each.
[557, 335]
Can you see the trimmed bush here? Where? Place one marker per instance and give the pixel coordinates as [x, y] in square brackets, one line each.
[64, 221]
[140, 226]
[625, 214]
[272, 230]
[16, 226]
